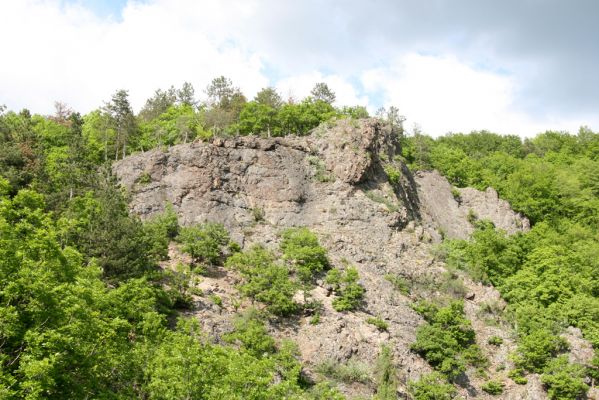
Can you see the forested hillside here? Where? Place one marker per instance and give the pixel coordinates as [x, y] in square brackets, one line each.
[87, 309]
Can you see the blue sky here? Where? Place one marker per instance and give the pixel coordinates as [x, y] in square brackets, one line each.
[514, 67]
[103, 9]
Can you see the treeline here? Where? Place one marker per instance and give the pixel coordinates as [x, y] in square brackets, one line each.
[175, 116]
[549, 276]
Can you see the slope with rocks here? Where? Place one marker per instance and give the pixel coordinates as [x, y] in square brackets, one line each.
[347, 184]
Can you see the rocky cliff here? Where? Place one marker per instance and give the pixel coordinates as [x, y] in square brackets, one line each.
[346, 183]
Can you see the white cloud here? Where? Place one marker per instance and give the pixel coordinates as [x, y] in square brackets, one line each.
[54, 51]
[442, 94]
[66, 53]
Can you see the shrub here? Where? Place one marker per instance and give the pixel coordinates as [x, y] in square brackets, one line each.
[400, 283]
[251, 334]
[258, 214]
[325, 391]
[379, 323]
[205, 242]
[385, 376]
[446, 340]
[495, 341]
[178, 282]
[216, 299]
[517, 375]
[144, 178]
[457, 196]
[301, 248]
[265, 280]
[159, 230]
[349, 372]
[320, 172]
[537, 348]
[393, 174]
[493, 387]
[348, 292]
[432, 386]
[564, 381]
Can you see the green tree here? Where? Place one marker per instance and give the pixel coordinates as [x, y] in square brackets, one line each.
[348, 291]
[269, 97]
[322, 92]
[122, 121]
[564, 381]
[204, 242]
[432, 386]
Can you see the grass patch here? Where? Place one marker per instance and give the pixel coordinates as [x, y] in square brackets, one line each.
[349, 372]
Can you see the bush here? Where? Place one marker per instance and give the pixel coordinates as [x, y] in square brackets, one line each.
[517, 375]
[564, 381]
[159, 230]
[379, 323]
[537, 348]
[393, 174]
[400, 283]
[446, 341]
[349, 372]
[493, 387]
[251, 334]
[265, 280]
[348, 292]
[385, 376]
[302, 250]
[205, 242]
[495, 341]
[432, 386]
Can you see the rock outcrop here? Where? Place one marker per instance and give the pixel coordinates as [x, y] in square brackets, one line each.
[454, 210]
[333, 182]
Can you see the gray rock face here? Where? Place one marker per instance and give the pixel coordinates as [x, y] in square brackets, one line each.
[334, 183]
[454, 215]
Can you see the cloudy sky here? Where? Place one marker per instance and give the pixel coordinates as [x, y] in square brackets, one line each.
[510, 66]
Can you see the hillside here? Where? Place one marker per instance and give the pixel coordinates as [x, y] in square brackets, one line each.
[348, 185]
[161, 256]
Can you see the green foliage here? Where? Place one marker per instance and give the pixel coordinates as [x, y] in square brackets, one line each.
[205, 242]
[184, 365]
[537, 348]
[56, 312]
[446, 340]
[160, 230]
[252, 335]
[348, 372]
[99, 225]
[393, 174]
[517, 375]
[432, 386]
[564, 381]
[348, 292]
[179, 282]
[385, 376]
[320, 172]
[377, 198]
[303, 252]
[265, 280]
[380, 324]
[495, 341]
[493, 387]
[400, 283]
[324, 391]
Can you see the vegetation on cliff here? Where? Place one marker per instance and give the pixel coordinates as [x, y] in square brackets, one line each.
[86, 312]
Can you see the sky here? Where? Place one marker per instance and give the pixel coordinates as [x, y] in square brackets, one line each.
[511, 66]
